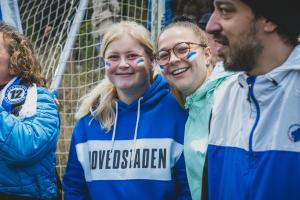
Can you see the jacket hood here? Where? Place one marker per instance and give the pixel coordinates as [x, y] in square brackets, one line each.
[291, 63]
[275, 76]
[215, 79]
[158, 89]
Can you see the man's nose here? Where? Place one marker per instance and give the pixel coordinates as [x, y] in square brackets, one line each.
[213, 24]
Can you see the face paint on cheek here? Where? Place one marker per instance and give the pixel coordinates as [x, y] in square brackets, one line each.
[107, 64]
[162, 68]
[191, 56]
[140, 62]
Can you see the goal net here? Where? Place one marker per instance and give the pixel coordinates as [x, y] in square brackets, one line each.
[47, 23]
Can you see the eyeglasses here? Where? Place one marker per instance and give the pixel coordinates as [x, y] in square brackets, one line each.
[180, 50]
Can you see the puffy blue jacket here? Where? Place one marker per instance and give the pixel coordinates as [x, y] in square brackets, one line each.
[27, 149]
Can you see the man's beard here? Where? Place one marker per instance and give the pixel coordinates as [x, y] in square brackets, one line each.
[242, 55]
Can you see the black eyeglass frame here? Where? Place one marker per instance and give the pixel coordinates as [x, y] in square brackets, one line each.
[172, 49]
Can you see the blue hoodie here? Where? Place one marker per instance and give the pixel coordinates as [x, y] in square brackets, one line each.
[141, 159]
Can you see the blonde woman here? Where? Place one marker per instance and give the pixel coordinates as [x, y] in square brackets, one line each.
[127, 143]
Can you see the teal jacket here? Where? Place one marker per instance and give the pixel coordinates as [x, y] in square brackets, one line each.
[199, 106]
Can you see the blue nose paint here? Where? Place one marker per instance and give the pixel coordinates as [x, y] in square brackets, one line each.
[140, 62]
[192, 55]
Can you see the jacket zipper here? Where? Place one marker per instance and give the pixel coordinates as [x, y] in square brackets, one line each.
[251, 81]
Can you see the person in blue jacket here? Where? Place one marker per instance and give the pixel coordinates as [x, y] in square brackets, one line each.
[128, 141]
[29, 123]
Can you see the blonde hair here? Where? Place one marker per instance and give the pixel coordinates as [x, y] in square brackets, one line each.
[187, 25]
[22, 60]
[202, 37]
[104, 95]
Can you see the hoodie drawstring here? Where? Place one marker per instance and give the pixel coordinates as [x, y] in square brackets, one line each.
[93, 115]
[135, 131]
[115, 127]
[136, 128]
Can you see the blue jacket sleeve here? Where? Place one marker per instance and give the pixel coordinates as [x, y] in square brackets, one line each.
[27, 140]
[182, 185]
[74, 183]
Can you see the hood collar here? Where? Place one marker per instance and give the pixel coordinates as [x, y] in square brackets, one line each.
[275, 76]
[213, 81]
[158, 89]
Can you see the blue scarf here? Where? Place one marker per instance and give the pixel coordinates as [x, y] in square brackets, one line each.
[13, 96]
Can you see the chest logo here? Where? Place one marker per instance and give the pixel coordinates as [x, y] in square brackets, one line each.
[294, 133]
[15, 94]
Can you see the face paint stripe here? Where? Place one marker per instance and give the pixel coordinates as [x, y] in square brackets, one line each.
[192, 55]
[107, 64]
[140, 62]
[162, 67]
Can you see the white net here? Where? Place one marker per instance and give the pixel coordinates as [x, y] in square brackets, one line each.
[47, 24]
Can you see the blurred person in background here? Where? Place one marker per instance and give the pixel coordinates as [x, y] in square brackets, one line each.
[29, 123]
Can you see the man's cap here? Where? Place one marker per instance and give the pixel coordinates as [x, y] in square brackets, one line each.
[285, 14]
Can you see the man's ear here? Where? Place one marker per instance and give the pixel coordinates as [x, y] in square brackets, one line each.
[208, 55]
[269, 26]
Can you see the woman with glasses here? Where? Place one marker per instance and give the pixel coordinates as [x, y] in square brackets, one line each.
[128, 142]
[185, 61]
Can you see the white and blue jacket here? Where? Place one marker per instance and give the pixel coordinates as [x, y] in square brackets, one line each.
[141, 159]
[28, 140]
[254, 145]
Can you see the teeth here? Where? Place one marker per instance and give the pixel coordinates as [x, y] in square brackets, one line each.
[178, 71]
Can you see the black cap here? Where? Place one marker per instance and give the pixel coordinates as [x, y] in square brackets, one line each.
[183, 18]
[285, 14]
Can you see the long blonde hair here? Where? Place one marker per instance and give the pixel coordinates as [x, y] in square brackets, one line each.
[104, 96]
